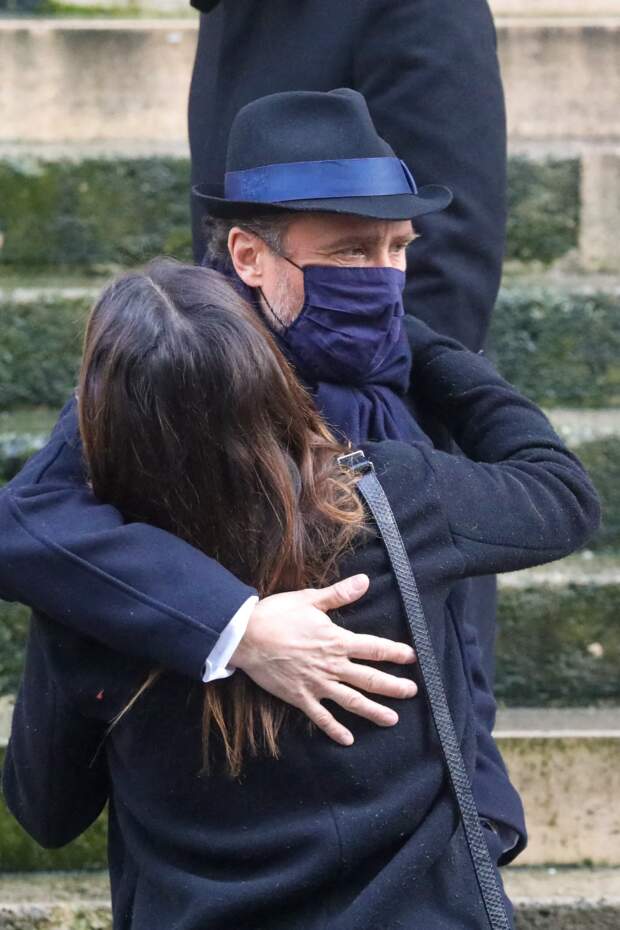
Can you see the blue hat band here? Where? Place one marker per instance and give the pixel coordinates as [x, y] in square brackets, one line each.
[320, 180]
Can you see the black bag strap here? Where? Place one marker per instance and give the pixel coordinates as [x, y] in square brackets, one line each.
[374, 496]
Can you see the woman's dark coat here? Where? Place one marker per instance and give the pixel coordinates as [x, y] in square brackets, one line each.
[326, 837]
[430, 74]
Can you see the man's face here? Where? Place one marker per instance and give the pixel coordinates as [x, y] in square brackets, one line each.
[326, 239]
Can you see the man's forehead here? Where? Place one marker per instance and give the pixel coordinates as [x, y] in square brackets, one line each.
[334, 229]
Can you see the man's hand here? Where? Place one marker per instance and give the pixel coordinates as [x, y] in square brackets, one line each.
[293, 650]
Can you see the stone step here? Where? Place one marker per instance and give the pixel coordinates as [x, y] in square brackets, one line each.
[501, 8]
[566, 766]
[583, 569]
[558, 642]
[523, 9]
[545, 899]
[528, 9]
[577, 427]
[96, 208]
[535, 9]
[564, 899]
[564, 762]
[559, 342]
[594, 434]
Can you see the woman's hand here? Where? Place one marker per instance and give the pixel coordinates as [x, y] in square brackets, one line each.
[293, 650]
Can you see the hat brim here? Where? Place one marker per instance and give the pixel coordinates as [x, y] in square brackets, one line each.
[429, 199]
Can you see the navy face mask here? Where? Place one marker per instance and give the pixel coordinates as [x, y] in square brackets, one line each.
[349, 323]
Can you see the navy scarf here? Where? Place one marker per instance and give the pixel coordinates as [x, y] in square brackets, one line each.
[370, 411]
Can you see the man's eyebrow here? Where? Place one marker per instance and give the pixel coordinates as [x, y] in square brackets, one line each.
[351, 239]
[364, 239]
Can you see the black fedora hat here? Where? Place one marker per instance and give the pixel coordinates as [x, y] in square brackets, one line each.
[315, 151]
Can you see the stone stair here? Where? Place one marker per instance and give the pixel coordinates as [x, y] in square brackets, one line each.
[566, 764]
[545, 899]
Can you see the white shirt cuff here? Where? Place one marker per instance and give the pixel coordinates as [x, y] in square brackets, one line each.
[216, 665]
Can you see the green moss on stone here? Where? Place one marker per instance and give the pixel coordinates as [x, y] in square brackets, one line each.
[602, 459]
[22, 7]
[28, 420]
[562, 349]
[124, 211]
[13, 629]
[40, 350]
[543, 209]
[543, 657]
[93, 212]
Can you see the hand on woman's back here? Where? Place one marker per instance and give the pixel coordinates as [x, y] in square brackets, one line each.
[293, 650]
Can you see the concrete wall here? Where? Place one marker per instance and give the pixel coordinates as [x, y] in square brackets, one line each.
[83, 81]
[562, 81]
[95, 81]
[540, 8]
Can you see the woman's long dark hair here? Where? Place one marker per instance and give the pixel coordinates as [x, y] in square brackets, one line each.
[193, 421]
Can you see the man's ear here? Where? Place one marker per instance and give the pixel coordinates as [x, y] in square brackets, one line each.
[247, 253]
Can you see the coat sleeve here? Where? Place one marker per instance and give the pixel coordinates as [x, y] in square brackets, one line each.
[520, 498]
[131, 586]
[54, 781]
[430, 74]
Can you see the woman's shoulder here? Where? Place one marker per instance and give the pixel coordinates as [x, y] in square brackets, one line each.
[403, 470]
[408, 480]
[393, 458]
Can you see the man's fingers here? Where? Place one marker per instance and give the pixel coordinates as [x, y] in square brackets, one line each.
[377, 649]
[377, 682]
[327, 723]
[357, 703]
[339, 594]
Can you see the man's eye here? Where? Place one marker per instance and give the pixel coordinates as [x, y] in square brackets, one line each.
[353, 252]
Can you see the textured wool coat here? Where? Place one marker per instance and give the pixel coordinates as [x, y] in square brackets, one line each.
[345, 838]
[147, 593]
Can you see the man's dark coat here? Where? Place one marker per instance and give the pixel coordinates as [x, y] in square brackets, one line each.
[430, 75]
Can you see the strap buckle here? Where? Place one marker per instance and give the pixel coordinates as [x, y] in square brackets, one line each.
[356, 462]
